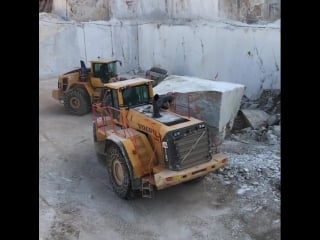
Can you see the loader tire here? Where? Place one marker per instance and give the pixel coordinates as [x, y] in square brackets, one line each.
[77, 102]
[119, 173]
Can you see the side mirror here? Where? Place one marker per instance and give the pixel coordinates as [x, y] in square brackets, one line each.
[120, 63]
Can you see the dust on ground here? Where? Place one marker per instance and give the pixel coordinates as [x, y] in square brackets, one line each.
[76, 201]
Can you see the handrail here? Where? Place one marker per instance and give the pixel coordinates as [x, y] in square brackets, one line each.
[108, 111]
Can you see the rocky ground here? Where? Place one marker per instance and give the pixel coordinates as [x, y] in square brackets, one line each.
[76, 201]
[253, 176]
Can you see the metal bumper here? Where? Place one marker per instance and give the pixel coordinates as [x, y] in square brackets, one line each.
[57, 94]
[168, 178]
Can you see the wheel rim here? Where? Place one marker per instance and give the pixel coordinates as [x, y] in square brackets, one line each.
[75, 102]
[118, 172]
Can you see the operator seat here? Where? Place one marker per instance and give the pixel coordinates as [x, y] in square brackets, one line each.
[132, 98]
[104, 74]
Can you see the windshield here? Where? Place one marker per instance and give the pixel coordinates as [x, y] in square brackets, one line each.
[105, 70]
[112, 68]
[135, 96]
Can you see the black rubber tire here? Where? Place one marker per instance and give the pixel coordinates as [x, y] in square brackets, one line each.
[123, 189]
[77, 102]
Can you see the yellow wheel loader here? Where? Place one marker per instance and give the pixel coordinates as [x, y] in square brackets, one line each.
[146, 146]
[79, 88]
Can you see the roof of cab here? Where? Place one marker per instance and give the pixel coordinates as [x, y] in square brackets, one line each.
[127, 83]
[103, 60]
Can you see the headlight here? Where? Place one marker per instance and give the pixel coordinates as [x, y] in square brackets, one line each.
[176, 134]
[202, 125]
[164, 144]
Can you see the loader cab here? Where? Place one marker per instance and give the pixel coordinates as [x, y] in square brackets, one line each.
[110, 98]
[128, 96]
[103, 71]
[136, 95]
[123, 95]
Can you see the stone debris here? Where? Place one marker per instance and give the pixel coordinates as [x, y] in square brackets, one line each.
[270, 135]
[235, 137]
[243, 189]
[258, 120]
[255, 118]
[251, 169]
[273, 119]
[276, 130]
[269, 101]
[256, 173]
[271, 138]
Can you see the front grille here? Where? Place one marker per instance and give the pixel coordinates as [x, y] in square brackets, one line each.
[189, 148]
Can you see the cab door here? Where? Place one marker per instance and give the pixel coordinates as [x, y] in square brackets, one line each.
[96, 75]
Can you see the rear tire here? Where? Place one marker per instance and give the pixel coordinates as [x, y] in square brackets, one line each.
[77, 102]
[119, 173]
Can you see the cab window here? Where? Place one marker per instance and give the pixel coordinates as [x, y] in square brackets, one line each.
[135, 96]
[96, 69]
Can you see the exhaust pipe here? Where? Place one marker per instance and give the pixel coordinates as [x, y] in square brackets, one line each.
[156, 109]
[158, 102]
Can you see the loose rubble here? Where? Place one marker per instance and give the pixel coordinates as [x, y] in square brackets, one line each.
[258, 120]
[252, 182]
[254, 152]
[254, 168]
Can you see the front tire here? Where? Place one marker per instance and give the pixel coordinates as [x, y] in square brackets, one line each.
[119, 173]
[77, 101]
